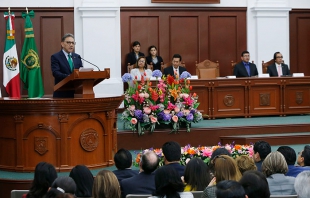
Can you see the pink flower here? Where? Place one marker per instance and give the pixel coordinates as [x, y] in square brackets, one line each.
[132, 107]
[186, 112]
[170, 106]
[175, 118]
[154, 107]
[166, 111]
[153, 119]
[177, 109]
[141, 95]
[146, 95]
[134, 121]
[147, 110]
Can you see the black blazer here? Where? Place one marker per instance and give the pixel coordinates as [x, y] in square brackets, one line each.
[178, 167]
[61, 69]
[170, 71]
[157, 65]
[124, 174]
[272, 70]
[240, 70]
[131, 58]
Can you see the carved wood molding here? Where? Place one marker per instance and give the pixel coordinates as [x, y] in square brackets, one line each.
[186, 1]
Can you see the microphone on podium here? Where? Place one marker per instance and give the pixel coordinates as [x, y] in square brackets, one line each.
[88, 62]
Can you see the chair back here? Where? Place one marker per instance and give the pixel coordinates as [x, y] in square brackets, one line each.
[138, 196]
[207, 69]
[130, 67]
[197, 194]
[164, 66]
[266, 64]
[283, 196]
[18, 193]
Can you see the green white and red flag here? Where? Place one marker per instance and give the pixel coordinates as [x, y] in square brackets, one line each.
[11, 79]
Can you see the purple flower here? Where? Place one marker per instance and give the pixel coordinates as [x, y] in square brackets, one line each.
[185, 74]
[126, 77]
[139, 115]
[193, 111]
[180, 114]
[189, 117]
[157, 74]
[166, 117]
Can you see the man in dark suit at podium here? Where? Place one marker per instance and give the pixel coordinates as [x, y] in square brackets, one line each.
[63, 63]
[175, 68]
[278, 68]
[245, 68]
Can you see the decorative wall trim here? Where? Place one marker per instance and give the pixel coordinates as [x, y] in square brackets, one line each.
[186, 1]
[98, 12]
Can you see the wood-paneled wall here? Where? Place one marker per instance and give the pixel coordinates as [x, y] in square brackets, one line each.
[217, 34]
[49, 24]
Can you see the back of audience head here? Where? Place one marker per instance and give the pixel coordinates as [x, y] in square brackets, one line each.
[288, 153]
[83, 179]
[274, 163]
[245, 163]
[255, 184]
[172, 151]
[304, 157]
[220, 151]
[301, 185]
[225, 168]
[106, 185]
[229, 189]
[168, 182]
[261, 150]
[149, 162]
[65, 195]
[44, 176]
[123, 159]
[197, 174]
[61, 185]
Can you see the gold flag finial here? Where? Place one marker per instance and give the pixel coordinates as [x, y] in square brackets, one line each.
[27, 10]
[9, 10]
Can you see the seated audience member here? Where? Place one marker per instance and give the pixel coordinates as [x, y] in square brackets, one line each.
[274, 168]
[224, 168]
[245, 68]
[255, 184]
[278, 68]
[261, 150]
[133, 56]
[61, 185]
[154, 58]
[220, 151]
[290, 158]
[83, 179]
[304, 157]
[106, 185]
[175, 69]
[141, 70]
[144, 182]
[172, 156]
[197, 175]
[123, 163]
[245, 163]
[302, 184]
[169, 184]
[44, 176]
[229, 189]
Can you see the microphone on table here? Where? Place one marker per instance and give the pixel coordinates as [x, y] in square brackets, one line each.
[88, 62]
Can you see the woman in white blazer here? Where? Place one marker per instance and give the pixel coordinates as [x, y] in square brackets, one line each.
[141, 70]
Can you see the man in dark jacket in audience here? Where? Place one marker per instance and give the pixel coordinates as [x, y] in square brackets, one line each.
[172, 156]
[123, 162]
[261, 150]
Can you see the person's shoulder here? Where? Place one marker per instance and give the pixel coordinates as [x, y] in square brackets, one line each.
[57, 53]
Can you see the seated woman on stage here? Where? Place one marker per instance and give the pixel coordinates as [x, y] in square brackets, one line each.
[141, 70]
[154, 58]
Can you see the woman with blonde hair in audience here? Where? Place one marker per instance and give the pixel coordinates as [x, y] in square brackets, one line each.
[274, 167]
[141, 70]
[224, 168]
[106, 185]
[245, 163]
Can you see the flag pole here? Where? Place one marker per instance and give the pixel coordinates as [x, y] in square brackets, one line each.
[9, 11]
[27, 10]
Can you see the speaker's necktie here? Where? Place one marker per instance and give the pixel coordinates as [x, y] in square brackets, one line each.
[70, 62]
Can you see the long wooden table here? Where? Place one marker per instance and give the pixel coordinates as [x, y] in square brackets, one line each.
[246, 97]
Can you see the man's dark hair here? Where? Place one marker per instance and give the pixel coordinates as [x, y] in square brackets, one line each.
[306, 155]
[135, 43]
[255, 184]
[172, 151]
[123, 159]
[149, 162]
[288, 153]
[275, 55]
[244, 52]
[66, 36]
[220, 151]
[263, 148]
[177, 56]
[229, 189]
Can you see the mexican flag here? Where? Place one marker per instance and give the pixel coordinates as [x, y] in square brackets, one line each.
[11, 80]
[30, 68]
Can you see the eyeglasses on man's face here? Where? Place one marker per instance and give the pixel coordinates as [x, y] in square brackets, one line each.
[70, 42]
[279, 56]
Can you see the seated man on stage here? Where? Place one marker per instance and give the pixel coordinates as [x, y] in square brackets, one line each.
[278, 68]
[64, 62]
[245, 68]
[175, 68]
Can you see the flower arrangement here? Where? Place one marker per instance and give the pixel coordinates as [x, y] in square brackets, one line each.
[168, 102]
[203, 152]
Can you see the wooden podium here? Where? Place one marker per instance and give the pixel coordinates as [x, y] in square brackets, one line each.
[82, 82]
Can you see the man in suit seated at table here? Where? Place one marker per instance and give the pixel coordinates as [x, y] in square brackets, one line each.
[278, 68]
[245, 68]
[123, 163]
[63, 63]
[175, 68]
[172, 156]
[144, 182]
